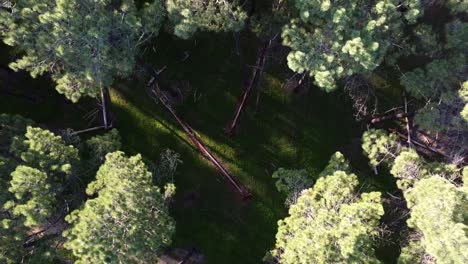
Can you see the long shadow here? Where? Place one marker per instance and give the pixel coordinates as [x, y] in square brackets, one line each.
[148, 112]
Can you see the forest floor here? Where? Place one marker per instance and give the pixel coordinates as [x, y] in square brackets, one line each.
[291, 131]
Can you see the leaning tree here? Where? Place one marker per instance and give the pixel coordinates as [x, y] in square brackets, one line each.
[84, 44]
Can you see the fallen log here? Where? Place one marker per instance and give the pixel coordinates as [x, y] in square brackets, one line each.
[75, 133]
[254, 79]
[424, 146]
[394, 116]
[196, 141]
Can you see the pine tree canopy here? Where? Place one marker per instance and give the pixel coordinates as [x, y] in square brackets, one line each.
[189, 16]
[84, 44]
[330, 222]
[127, 222]
[438, 211]
[334, 39]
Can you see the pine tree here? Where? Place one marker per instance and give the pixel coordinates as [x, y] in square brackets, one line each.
[39, 173]
[33, 166]
[127, 222]
[84, 44]
[189, 16]
[334, 39]
[408, 168]
[437, 208]
[34, 199]
[438, 211]
[292, 183]
[330, 223]
[98, 146]
[379, 146]
[438, 84]
[12, 129]
[43, 150]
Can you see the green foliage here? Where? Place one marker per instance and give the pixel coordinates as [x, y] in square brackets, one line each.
[463, 93]
[439, 212]
[429, 45]
[36, 160]
[412, 253]
[379, 146]
[438, 83]
[330, 222]
[292, 183]
[456, 35]
[45, 151]
[166, 168]
[127, 222]
[337, 162]
[436, 80]
[6, 167]
[457, 6]
[34, 199]
[408, 168]
[84, 44]
[11, 248]
[189, 16]
[464, 112]
[12, 128]
[169, 191]
[99, 146]
[332, 40]
[41, 166]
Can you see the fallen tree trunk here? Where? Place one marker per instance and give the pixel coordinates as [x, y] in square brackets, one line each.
[421, 145]
[88, 130]
[394, 116]
[254, 79]
[196, 141]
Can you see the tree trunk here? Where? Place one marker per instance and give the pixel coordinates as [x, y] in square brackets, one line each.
[408, 123]
[393, 116]
[254, 79]
[87, 130]
[105, 101]
[156, 91]
[299, 83]
[421, 145]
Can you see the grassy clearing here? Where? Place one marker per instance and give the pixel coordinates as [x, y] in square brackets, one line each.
[287, 131]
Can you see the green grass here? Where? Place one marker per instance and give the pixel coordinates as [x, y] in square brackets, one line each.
[288, 131]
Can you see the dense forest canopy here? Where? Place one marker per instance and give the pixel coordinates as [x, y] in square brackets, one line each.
[381, 84]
